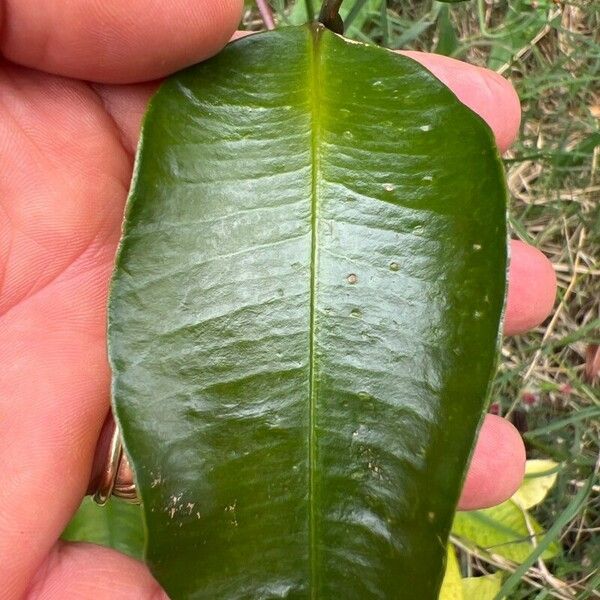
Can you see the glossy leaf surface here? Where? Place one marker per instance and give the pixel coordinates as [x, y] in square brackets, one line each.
[304, 318]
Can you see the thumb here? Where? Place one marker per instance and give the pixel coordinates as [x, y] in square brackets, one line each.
[114, 41]
[75, 570]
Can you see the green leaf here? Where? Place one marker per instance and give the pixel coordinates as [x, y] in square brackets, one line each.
[304, 318]
[300, 13]
[540, 476]
[501, 530]
[482, 588]
[413, 32]
[118, 525]
[357, 15]
[452, 587]
[447, 37]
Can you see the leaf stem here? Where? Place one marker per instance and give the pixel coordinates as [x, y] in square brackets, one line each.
[330, 16]
[266, 14]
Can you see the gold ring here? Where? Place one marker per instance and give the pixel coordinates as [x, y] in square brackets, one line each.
[116, 478]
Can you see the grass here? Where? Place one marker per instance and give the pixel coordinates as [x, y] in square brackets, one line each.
[548, 381]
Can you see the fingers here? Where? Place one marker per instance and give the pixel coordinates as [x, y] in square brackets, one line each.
[488, 94]
[531, 288]
[90, 571]
[497, 466]
[112, 40]
[498, 462]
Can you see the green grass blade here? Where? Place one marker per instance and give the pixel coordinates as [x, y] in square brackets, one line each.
[587, 413]
[551, 536]
[354, 12]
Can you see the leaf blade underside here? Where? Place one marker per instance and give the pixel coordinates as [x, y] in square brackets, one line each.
[303, 319]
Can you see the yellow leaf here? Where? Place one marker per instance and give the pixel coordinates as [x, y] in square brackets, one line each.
[482, 588]
[502, 530]
[452, 587]
[534, 489]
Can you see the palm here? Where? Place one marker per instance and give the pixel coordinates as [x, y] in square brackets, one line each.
[62, 196]
[67, 176]
[66, 148]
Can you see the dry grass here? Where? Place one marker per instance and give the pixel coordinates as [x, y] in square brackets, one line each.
[549, 374]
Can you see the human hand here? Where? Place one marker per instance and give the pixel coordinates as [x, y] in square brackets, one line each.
[67, 149]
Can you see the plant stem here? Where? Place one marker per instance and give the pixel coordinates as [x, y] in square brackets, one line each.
[330, 16]
[266, 13]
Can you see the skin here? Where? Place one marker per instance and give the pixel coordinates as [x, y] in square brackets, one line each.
[67, 148]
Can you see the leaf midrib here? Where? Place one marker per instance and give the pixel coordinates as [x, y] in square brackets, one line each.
[315, 112]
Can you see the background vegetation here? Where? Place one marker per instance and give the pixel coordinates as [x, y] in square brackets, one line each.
[548, 380]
